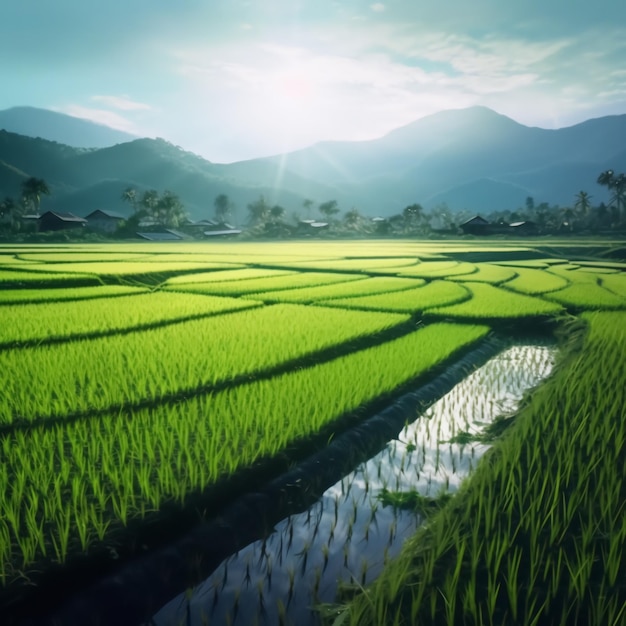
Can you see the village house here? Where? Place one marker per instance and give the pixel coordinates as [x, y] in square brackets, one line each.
[104, 221]
[53, 220]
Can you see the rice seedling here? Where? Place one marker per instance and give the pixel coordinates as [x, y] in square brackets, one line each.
[46, 320]
[244, 273]
[535, 281]
[64, 256]
[273, 283]
[439, 269]
[124, 268]
[515, 548]
[493, 302]
[587, 296]
[121, 370]
[361, 287]
[17, 278]
[433, 294]
[219, 432]
[487, 273]
[615, 283]
[59, 294]
[356, 265]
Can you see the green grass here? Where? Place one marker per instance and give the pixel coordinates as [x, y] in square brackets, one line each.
[127, 369]
[244, 273]
[434, 294]
[362, 287]
[58, 294]
[486, 273]
[47, 320]
[66, 487]
[488, 302]
[587, 296]
[536, 535]
[270, 283]
[440, 269]
[535, 281]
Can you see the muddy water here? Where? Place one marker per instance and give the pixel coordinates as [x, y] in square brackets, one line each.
[347, 535]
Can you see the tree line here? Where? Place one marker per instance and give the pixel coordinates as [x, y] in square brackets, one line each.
[12, 211]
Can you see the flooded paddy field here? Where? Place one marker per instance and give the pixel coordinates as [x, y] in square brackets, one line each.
[349, 534]
[266, 429]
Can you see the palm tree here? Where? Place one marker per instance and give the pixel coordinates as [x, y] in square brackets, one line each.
[329, 209]
[616, 184]
[352, 218]
[619, 194]
[277, 213]
[223, 207]
[258, 210]
[130, 195]
[308, 205]
[412, 215]
[32, 190]
[582, 202]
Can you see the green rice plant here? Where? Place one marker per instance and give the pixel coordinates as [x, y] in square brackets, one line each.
[615, 283]
[611, 265]
[487, 273]
[59, 294]
[63, 256]
[361, 287]
[493, 302]
[365, 264]
[535, 281]
[16, 278]
[439, 269]
[573, 274]
[45, 320]
[272, 283]
[435, 293]
[123, 268]
[216, 433]
[582, 295]
[245, 273]
[529, 537]
[118, 370]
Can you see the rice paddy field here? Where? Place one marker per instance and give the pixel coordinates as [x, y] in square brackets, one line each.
[146, 387]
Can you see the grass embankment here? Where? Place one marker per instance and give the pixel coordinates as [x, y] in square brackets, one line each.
[536, 536]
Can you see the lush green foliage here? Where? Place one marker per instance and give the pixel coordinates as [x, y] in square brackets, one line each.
[271, 283]
[64, 486]
[226, 275]
[364, 286]
[486, 273]
[535, 281]
[13, 296]
[41, 321]
[126, 369]
[434, 294]
[587, 296]
[537, 534]
[488, 301]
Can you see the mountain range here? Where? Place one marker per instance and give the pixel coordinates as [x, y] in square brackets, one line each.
[474, 159]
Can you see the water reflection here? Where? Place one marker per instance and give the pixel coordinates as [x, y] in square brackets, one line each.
[347, 535]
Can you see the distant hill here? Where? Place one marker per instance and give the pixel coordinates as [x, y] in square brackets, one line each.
[66, 129]
[84, 180]
[473, 159]
[428, 159]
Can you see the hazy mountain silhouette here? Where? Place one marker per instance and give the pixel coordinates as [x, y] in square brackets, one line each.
[470, 158]
[83, 180]
[72, 131]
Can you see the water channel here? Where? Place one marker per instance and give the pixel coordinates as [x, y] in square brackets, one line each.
[347, 535]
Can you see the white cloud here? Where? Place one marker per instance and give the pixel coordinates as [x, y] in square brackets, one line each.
[378, 7]
[100, 116]
[122, 103]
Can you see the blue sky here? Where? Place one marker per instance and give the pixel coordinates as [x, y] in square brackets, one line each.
[236, 79]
